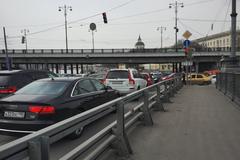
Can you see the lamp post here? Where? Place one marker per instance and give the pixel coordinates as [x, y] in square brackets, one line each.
[161, 31]
[233, 30]
[176, 5]
[65, 10]
[24, 40]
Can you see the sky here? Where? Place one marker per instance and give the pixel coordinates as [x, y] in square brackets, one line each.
[127, 19]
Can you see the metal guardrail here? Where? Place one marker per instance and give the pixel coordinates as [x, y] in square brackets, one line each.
[124, 50]
[36, 146]
[229, 84]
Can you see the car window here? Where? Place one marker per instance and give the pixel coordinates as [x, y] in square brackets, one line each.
[199, 76]
[43, 88]
[117, 74]
[4, 78]
[83, 86]
[99, 86]
[136, 74]
[193, 76]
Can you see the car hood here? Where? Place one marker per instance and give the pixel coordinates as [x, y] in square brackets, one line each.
[29, 98]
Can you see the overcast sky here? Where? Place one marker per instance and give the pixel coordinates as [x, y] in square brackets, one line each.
[127, 19]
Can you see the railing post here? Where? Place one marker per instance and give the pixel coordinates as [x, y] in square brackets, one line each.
[123, 144]
[225, 83]
[147, 116]
[45, 148]
[159, 106]
[166, 92]
[34, 148]
[233, 86]
[171, 88]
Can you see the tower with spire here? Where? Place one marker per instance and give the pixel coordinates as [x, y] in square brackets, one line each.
[139, 44]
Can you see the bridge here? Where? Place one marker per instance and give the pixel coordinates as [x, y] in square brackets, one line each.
[75, 58]
[168, 121]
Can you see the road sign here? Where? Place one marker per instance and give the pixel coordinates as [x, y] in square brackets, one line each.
[187, 63]
[186, 43]
[187, 34]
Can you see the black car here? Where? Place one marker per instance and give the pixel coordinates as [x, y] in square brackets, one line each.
[47, 101]
[12, 80]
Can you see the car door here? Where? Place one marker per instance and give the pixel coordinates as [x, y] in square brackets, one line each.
[103, 94]
[138, 78]
[193, 79]
[83, 95]
[200, 79]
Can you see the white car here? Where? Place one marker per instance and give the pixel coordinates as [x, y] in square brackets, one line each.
[213, 79]
[125, 80]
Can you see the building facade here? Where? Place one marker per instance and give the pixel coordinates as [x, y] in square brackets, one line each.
[218, 41]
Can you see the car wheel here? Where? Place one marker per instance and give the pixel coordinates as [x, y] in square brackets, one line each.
[77, 133]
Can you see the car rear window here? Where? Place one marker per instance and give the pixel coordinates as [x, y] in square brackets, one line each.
[43, 88]
[4, 79]
[117, 74]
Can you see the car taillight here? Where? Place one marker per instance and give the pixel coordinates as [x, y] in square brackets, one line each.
[130, 79]
[41, 109]
[9, 89]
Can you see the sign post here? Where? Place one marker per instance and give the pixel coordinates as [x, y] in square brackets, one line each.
[187, 50]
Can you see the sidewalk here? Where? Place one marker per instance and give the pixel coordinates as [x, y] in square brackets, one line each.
[200, 124]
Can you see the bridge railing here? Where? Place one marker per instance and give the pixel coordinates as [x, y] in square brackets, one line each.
[229, 84]
[36, 146]
[124, 50]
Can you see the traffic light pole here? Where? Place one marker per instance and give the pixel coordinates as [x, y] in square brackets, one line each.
[176, 5]
[6, 49]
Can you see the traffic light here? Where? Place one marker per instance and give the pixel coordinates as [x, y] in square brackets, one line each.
[104, 17]
[23, 39]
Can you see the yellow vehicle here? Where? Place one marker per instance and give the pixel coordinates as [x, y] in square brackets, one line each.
[196, 78]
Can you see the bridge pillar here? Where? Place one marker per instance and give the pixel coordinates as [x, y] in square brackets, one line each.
[77, 69]
[57, 71]
[47, 66]
[71, 65]
[27, 66]
[82, 68]
[196, 67]
[173, 67]
[180, 66]
[52, 66]
[65, 68]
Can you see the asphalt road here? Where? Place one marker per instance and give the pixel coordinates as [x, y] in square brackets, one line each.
[65, 145]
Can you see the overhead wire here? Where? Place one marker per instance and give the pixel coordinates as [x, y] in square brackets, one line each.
[223, 26]
[212, 24]
[186, 27]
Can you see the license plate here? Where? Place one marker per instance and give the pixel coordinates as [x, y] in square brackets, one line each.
[11, 114]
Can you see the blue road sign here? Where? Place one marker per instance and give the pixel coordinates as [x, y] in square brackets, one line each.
[186, 43]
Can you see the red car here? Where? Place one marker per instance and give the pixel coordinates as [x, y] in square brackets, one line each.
[168, 77]
[148, 78]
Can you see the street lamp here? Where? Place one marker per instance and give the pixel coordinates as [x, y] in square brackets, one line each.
[65, 9]
[176, 5]
[24, 37]
[161, 31]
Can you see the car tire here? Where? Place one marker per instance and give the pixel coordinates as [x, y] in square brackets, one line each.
[77, 133]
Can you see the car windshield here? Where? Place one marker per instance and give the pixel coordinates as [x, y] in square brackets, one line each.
[117, 74]
[43, 88]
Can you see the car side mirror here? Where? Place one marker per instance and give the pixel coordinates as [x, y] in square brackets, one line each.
[108, 88]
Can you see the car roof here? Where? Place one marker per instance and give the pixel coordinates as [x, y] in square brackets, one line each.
[9, 71]
[19, 71]
[62, 79]
[117, 69]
